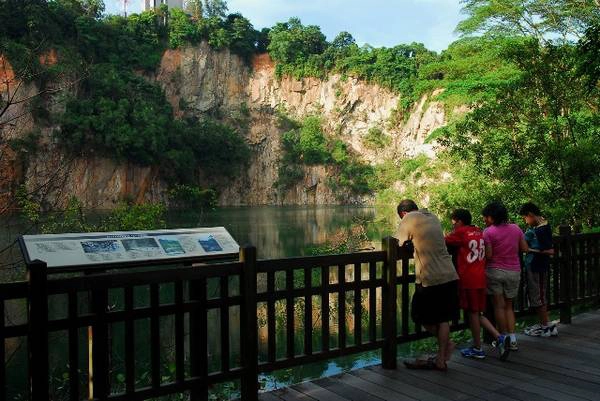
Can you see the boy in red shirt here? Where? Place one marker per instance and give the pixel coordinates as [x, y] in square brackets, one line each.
[472, 285]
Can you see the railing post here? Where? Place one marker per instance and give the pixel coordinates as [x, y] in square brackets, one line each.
[99, 383]
[198, 339]
[37, 336]
[566, 264]
[389, 308]
[250, 325]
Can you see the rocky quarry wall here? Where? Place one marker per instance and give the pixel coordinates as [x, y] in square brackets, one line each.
[199, 81]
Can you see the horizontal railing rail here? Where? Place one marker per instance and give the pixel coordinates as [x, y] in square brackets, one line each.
[233, 321]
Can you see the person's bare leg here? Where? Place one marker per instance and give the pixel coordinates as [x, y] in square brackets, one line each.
[489, 326]
[500, 312]
[510, 315]
[443, 338]
[433, 329]
[475, 326]
[542, 312]
[450, 349]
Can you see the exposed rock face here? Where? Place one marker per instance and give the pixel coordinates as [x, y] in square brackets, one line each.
[200, 81]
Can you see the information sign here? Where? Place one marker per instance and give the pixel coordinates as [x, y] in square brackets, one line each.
[63, 250]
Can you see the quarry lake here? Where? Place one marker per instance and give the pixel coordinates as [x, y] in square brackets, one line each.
[277, 232]
[283, 231]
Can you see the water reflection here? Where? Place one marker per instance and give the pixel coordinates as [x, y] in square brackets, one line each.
[276, 232]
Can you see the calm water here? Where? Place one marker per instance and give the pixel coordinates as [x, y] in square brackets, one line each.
[275, 231]
[280, 231]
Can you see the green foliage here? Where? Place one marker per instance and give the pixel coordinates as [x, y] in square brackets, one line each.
[122, 116]
[309, 141]
[376, 139]
[468, 71]
[235, 32]
[302, 51]
[295, 47]
[348, 239]
[540, 19]
[589, 60]
[218, 150]
[307, 144]
[182, 29]
[536, 138]
[118, 115]
[289, 175]
[146, 216]
[26, 146]
[215, 8]
[76, 218]
[191, 197]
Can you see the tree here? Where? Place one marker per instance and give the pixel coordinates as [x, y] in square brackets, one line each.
[589, 48]
[533, 137]
[291, 42]
[242, 35]
[181, 29]
[215, 8]
[194, 8]
[541, 19]
[530, 135]
[93, 8]
[262, 40]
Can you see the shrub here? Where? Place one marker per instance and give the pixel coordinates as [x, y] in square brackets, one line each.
[376, 139]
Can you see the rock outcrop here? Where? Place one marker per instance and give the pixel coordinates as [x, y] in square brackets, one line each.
[199, 81]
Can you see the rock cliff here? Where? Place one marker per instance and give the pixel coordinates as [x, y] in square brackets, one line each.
[200, 81]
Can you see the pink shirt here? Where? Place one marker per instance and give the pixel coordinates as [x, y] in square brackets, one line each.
[504, 240]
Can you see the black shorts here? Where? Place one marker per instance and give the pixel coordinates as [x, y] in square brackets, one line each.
[435, 304]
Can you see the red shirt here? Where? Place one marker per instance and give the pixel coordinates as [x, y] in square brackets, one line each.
[471, 256]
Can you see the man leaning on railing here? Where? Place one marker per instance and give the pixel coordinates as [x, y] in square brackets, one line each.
[435, 301]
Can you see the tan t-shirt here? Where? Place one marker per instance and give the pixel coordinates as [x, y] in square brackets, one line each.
[433, 263]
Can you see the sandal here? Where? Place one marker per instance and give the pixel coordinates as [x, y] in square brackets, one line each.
[425, 364]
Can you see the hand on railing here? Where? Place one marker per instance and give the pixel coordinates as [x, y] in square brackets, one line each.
[408, 246]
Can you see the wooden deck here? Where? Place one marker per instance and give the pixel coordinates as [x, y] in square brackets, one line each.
[563, 368]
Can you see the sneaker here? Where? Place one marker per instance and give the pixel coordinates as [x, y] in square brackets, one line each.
[472, 352]
[503, 346]
[549, 331]
[513, 346]
[533, 330]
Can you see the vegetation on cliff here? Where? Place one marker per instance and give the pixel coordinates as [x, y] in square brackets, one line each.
[112, 110]
[306, 143]
[532, 129]
[524, 73]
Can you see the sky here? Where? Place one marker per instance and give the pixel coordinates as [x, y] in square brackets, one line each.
[376, 22]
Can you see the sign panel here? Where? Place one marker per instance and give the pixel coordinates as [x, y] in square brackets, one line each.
[62, 250]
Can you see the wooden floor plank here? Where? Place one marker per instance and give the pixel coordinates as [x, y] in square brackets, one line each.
[574, 339]
[268, 397]
[558, 347]
[482, 372]
[533, 371]
[378, 391]
[502, 369]
[317, 392]
[459, 381]
[289, 394]
[520, 394]
[550, 360]
[546, 363]
[350, 393]
[413, 391]
[401, 376]
[547, 393]
[563, 368]
[495, 396]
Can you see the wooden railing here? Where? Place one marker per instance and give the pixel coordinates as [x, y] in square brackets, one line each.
[361, 285]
